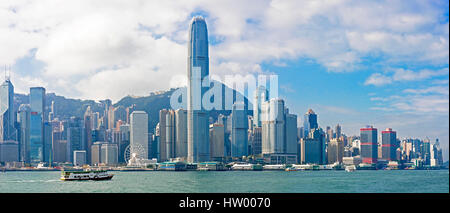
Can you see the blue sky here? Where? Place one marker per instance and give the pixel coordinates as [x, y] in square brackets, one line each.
[354, 63]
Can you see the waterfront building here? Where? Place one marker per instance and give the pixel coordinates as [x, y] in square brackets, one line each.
[198, 72]
[48, 137]
[96, 158]
[369, 144]
[74, 137]
[139, 134]
[109, 154]
[273, 126]
[9, 151]
[60, 151]
[7, 112]
[217, 141]
[239, 137]
[389, 145]
[167, 134]
[79, 157]
[335, 151]
[23, 118]
[256, 140]
[355, 160]
[291, 134]
[37, 103]
[181, 133]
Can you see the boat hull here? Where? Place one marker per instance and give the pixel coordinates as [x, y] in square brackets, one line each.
[109, 177]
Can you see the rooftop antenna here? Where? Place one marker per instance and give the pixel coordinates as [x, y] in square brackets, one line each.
[9, 74]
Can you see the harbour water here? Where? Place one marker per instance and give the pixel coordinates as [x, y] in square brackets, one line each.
[379, 181]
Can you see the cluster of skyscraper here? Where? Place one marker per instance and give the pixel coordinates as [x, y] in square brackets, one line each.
[270, 135]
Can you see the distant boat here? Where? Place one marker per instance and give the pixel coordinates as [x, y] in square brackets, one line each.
[351, 168]
[85, 175]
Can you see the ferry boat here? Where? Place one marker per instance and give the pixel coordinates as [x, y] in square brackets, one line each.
[85, 175]
[351, 168]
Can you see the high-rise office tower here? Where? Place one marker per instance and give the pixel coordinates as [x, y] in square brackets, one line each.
[48, 151]
[7, 117]
[120, 113]
[388, 145]
[74, 137]
[338, 131]
[88, 132]
[217, 140]
[273, 126]
[369, 144]
[51, 114]
[124, 141]
[37, 103]
[239, 137]
[23, 117]
[198, 71]
[139, 134]
[291, 134]
[335, 151]
[260, 96]
[109, 154]
[181, 133]
[310, 121]
[170, 134]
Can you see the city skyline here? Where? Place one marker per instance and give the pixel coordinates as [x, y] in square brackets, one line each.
[395, 74]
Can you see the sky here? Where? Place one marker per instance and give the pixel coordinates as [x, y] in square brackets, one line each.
[383, 63]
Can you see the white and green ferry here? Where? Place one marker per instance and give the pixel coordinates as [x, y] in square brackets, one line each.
[85, 175]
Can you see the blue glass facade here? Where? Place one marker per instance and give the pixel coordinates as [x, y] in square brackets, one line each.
[198, 71]
[7, 130]
[37, 101]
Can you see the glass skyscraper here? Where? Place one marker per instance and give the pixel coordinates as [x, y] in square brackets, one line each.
[37, 103]
[7, 130]
[310, 121]
[198, 71]
[369, 145]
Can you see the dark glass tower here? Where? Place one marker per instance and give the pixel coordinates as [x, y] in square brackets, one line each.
[198, 72]
[369, 145]
[389, 145]
[310, 122]
[37, 103]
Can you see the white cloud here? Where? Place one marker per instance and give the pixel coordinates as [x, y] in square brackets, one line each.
[86, 43]
[402, 75]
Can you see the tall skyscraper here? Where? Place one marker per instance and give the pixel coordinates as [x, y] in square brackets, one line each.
[23, 117]
[291, 133]
[388, 145]
[181, 133]
[37, 104]
[369, 144]
[310, 121]
[273, 127]
[239, 138]
[74, 137]
[7, 117]
[217, 139]
[139, 133]
[338, 131]
[198, 71]
[260, 96]
[88, 132]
